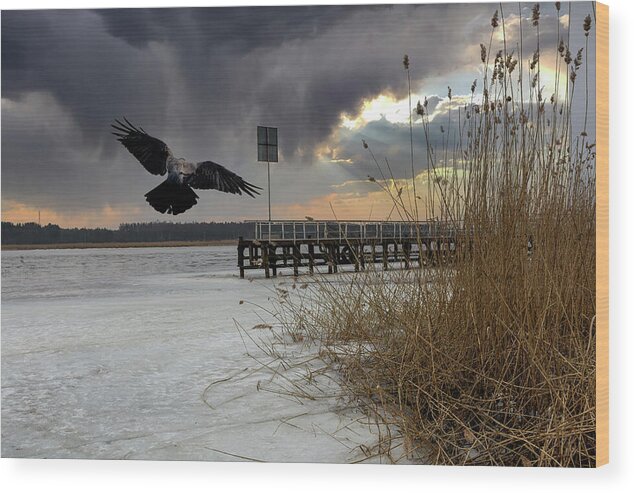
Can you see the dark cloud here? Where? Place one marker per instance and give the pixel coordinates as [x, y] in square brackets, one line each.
[202, 79]
[242, 29]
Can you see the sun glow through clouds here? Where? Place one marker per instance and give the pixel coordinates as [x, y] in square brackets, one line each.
[383, 106]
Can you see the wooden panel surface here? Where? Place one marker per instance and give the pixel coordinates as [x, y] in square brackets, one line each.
[602, 230]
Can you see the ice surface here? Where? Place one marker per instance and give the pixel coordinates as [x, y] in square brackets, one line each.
[134, 353]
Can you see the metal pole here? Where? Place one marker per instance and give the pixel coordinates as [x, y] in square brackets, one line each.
[268, 172]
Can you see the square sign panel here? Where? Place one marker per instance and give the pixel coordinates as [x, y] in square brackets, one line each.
[267, 144]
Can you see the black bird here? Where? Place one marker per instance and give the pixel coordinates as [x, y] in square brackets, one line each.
[175, 194]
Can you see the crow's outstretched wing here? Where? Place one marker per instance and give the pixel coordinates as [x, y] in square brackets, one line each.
[212, 175]
[151, 152]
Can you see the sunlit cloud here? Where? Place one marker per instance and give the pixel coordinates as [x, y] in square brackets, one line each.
[456, 102]
[382, 200]
[564, 20]
[383, 106]
[329, 153]
[510, 30]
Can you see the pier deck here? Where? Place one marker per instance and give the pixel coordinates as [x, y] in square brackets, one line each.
[309, 244]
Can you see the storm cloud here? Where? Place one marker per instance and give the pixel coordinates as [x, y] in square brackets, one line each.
[202, 79]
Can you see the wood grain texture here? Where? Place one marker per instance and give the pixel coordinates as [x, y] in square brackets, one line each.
[602, 231]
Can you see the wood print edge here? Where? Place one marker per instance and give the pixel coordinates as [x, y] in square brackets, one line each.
[602, 233]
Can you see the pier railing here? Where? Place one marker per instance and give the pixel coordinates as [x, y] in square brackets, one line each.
[333, 230]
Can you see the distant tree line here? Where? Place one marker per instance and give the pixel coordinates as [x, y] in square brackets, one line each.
[33, 233]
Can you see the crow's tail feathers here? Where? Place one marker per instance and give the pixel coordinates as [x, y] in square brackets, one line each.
[172, 198]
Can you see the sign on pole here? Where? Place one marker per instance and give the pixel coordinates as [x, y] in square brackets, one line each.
[267, 144]
[267, 151]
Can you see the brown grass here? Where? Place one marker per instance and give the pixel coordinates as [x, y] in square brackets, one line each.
[488, 357]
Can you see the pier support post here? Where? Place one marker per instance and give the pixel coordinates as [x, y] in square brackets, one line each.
[439, 251]
[265, 260]
[362, 255]
[273, 260]
[335, 258]
[241, 256]
[385, 249]
[296, 253]
[311, 258]
[406, 253]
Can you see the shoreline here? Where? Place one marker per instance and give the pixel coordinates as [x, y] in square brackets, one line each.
[135, 244]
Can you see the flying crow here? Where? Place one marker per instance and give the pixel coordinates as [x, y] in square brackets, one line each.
[175, 194]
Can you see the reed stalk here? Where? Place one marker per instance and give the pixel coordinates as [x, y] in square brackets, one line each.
[486, 353]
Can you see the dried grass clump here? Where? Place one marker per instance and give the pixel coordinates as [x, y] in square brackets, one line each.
[488, 358]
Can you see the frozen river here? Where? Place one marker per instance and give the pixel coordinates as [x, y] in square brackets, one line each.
[134, 353]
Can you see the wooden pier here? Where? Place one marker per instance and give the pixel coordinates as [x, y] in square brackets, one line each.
[308, 245]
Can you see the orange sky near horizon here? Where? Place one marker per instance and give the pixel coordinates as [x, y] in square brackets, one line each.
[337, 205]
[108, 217]
[373, 205]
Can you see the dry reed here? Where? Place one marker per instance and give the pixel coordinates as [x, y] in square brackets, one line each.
[488, 356]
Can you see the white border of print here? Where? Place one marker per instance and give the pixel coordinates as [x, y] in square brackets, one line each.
[113, 476]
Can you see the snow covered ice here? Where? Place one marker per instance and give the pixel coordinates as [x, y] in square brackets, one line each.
[134, 354]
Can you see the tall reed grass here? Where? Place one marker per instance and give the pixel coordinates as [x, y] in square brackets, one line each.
[490, 358]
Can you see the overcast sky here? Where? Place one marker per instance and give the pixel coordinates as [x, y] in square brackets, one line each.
[202, 79]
